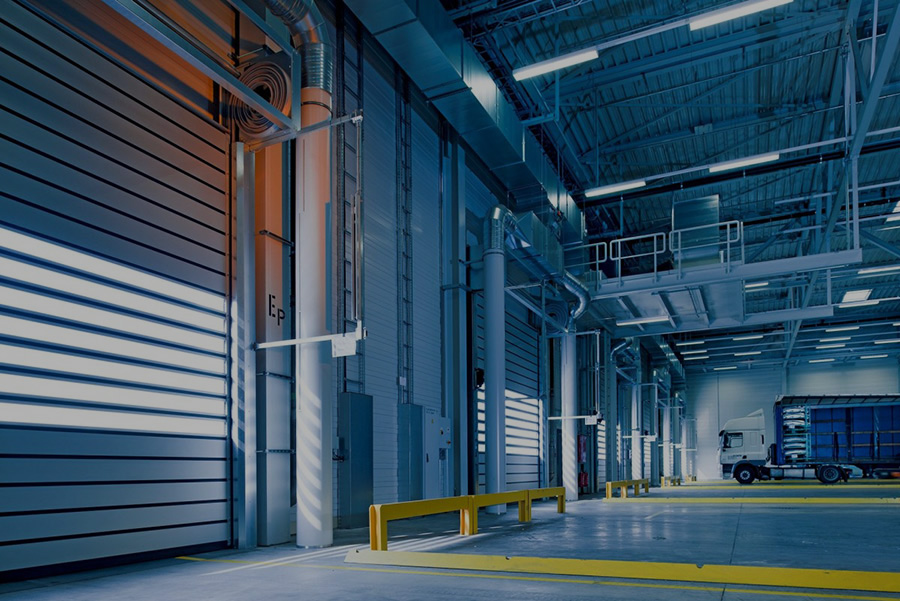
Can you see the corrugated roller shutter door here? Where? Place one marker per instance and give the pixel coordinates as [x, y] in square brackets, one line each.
[524, 412]
[380, 274]
[426, 219]
[113, 258]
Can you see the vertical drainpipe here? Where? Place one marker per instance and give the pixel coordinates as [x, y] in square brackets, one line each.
[495, 361]
[311, 274]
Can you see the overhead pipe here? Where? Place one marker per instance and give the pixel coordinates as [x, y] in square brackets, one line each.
[312, 362]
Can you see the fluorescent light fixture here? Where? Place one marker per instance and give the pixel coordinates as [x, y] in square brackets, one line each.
[895, 213]
[554, 64]
[696, 358]
[694, 352]
[869, 270]
[756, 285]
[642, 320]
[613, 188]
[896, 324]
[733, 12]
[821, 360]
[842, 329]
[873, 357]
[725, 368]
[837, 339]
[695, 342]
[748, 353]
[868, 303]
[827, 346]
[753, 337]
[888, 341]
[748, 162]
[852, 296]
[47, 415]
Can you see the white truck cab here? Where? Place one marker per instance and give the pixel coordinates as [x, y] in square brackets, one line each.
[743, 440]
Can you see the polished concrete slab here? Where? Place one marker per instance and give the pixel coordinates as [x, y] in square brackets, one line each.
[829, 537]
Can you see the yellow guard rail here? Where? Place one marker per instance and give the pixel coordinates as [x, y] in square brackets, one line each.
[623, 486]
[467, 505]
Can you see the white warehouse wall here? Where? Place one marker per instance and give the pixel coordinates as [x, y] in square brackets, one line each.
[714, 398]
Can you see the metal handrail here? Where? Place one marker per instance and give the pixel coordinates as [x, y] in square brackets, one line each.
[734, 234]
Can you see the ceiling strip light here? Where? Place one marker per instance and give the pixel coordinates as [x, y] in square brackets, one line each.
[838, 339]
[821, 360]
[694, 352]
[554, 64]
[642, 320]
[869, 270]
[613, 188]
[733, 12]
[753, 337]
[868, 303]
[827, 346]
[873, 357]
[756, 285]
[892, 341]
[896, 324]
[748, 353]
[695, 342]
[748, 162]
[696, 358]
[724, 368]
[856, 295]
[844, 329]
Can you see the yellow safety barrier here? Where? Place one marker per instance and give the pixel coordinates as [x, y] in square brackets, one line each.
[623, 486]
[468, 506]
[381, 514]
[670, 481]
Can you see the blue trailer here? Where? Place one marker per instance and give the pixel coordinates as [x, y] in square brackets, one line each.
[822, 437]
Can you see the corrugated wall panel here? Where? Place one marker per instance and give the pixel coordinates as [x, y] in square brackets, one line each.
[380, 275]
[426, 220]
[869, 377]
[114, 245]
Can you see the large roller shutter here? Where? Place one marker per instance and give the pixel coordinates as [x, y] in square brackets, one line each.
[380, 273]
[426, 219]
[113, 279]
[524, 412]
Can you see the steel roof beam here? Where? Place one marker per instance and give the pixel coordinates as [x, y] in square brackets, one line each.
[879, 243]
[693, 55]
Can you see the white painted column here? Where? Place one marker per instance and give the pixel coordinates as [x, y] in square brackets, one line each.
[313, 361]
[495, 373]
[569, 405]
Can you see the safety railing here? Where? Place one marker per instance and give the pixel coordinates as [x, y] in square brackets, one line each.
[624, 485]
[466, 505]
[727, 237]
[657, 242]
[670, 481]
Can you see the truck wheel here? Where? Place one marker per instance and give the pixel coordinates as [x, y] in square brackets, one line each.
[745, 474]
[829, 474]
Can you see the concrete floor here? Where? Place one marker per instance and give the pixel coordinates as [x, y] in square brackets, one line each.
[681, 530]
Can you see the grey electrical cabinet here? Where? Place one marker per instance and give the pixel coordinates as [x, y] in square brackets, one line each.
[355, 458]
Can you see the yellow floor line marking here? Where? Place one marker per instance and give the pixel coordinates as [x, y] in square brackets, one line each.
[882, 582]
[683, 587]
[828, 488]
[759, 500]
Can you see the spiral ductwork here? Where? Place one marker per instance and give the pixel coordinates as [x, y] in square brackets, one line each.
[269, 79]
[304, 21]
